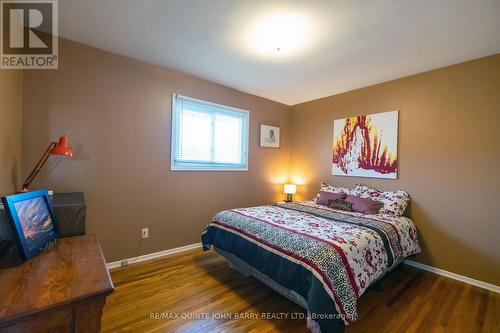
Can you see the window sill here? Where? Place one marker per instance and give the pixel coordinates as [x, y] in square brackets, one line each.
[181, 168]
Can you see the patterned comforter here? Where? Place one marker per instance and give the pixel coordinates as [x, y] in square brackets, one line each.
[329, 257]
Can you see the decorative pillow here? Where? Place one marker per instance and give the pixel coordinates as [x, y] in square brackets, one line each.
[394, 202]
[364, 205]
[325, 187]
[325, 197]
[340, 204]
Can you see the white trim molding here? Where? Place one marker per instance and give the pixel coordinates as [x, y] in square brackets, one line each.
[154, 255]
[453, 276]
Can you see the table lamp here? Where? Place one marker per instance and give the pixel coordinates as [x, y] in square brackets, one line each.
[290, 190]
[55, 148]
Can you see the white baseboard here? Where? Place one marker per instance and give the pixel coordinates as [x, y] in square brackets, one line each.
[154, 255]
[453, 276]
[412, 263]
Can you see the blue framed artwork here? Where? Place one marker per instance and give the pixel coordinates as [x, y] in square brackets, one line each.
[32, 220]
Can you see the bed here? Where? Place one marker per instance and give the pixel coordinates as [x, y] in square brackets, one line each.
[321, 258]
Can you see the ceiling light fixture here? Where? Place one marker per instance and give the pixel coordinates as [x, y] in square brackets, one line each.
[279, 34]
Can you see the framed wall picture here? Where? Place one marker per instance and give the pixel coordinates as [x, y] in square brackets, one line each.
[269, 136]
[366, 146]
[33, 221]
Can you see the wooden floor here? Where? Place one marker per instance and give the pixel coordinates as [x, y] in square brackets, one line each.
[148, 295]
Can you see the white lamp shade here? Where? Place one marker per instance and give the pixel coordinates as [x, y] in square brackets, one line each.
[290, 188]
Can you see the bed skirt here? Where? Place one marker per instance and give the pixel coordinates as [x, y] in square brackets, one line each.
[242, 267]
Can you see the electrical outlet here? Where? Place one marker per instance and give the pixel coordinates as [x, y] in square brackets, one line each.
[145, 233]
[124, 263]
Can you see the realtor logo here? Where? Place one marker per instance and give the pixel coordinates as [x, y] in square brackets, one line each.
[29, 34]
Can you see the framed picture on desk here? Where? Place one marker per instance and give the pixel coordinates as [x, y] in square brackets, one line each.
[32, 220]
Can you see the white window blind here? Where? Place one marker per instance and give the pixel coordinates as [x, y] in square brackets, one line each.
[208, 136]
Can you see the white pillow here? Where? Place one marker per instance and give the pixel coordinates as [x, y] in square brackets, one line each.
[325, 187]
[395, 202]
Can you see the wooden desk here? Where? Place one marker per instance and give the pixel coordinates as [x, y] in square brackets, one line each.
[62, 290]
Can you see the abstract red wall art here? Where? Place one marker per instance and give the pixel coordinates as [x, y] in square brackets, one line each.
[366, 146]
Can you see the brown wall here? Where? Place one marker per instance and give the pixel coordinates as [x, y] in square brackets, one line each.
[449, 158]
[116, 112]
[11, 112]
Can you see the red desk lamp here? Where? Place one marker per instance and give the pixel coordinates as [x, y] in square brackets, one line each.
[55, 148]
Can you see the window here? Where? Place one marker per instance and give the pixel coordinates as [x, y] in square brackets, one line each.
[208, 136]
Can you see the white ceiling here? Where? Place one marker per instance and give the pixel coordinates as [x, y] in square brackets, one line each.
[354, 43]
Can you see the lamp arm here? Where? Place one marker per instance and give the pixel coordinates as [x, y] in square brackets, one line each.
[38, 167]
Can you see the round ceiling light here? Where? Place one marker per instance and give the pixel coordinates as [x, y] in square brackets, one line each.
[279, 34]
